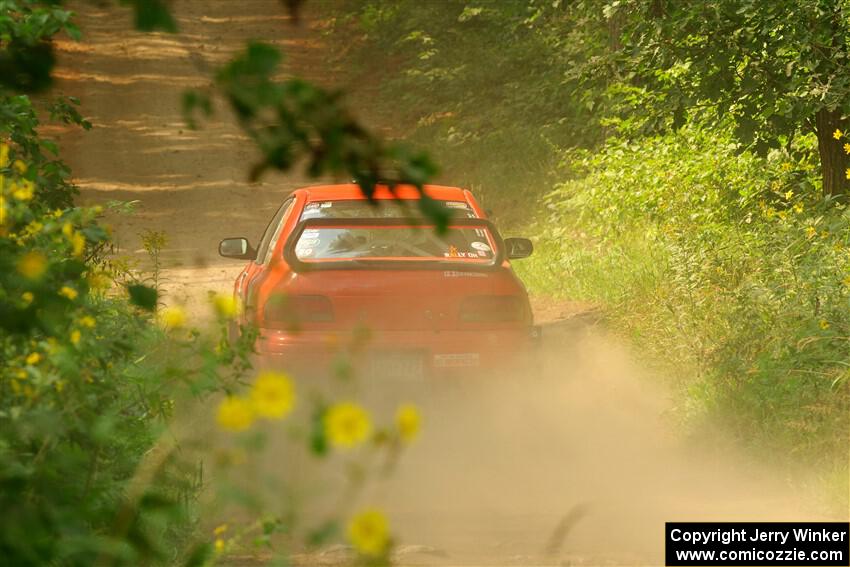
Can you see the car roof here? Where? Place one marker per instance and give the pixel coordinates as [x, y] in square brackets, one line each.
[351, 191]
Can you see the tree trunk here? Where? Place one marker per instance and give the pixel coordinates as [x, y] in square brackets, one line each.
[834, 161]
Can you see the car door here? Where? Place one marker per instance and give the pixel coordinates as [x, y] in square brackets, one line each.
[254, 271]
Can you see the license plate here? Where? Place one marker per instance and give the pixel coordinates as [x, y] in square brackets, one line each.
[457, 360]
[401, 366]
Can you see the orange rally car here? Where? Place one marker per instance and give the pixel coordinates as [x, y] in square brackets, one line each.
[331, 265]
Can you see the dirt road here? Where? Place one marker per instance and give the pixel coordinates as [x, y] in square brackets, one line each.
[501, 466]
[191, 185]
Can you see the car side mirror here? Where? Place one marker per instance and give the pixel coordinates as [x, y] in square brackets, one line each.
[237, 248]
[518, 248]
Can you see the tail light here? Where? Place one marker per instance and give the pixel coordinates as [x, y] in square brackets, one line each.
[492, 309]
[289, 311]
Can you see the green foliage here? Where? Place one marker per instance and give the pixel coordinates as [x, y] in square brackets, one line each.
[769, 66]
[27, 28]
[75, 417]
[152, 15]
[774, 68]
[88, 388]
[93, 465]
[26, 52]
[729, 268]
[481, 84]
[466, 68]
[19, 124]
[497, 76]
[142, 296]
[93, 469]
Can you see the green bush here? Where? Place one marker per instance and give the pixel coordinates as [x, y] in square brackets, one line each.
[79, 405]
[103, 437]
[729, 268]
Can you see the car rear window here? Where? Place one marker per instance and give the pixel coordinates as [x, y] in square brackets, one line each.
[389, 208]
[465, 244]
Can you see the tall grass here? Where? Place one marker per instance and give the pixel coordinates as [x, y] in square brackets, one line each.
[728, 269]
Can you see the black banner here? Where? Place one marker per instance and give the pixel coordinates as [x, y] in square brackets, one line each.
[757, 543]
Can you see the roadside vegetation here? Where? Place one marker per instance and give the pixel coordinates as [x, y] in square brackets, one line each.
[106, 450]
[683, 166]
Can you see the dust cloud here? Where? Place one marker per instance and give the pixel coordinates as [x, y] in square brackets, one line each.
[577, 463]
[572, 465]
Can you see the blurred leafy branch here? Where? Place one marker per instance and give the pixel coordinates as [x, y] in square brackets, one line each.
[293, 119]
[287, 119]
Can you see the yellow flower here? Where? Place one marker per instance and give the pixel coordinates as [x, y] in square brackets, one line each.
[32, 265]
[407, 421]
[847, 173]
[811, 232]
[78, 244]
[837, 134]
[220, 529]
[68, 230]
[4, 154]
[847, 148]
[824, 324]
[219, 545]
[28, 297]
[87, 321]
[68, 292]
[273, 395]
[798, 208]
[226, 305]
[846, 281]
[788, 195]
[347, 424]
[23, 190]
[33, 358]
[99, 280]
[235, 414]
[75, 337]
[369, 532]
[173, 317]
[33, 228]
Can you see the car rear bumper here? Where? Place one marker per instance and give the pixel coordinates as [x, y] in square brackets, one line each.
[447, 351]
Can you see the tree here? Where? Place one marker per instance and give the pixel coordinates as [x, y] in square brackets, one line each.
[774, 68]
